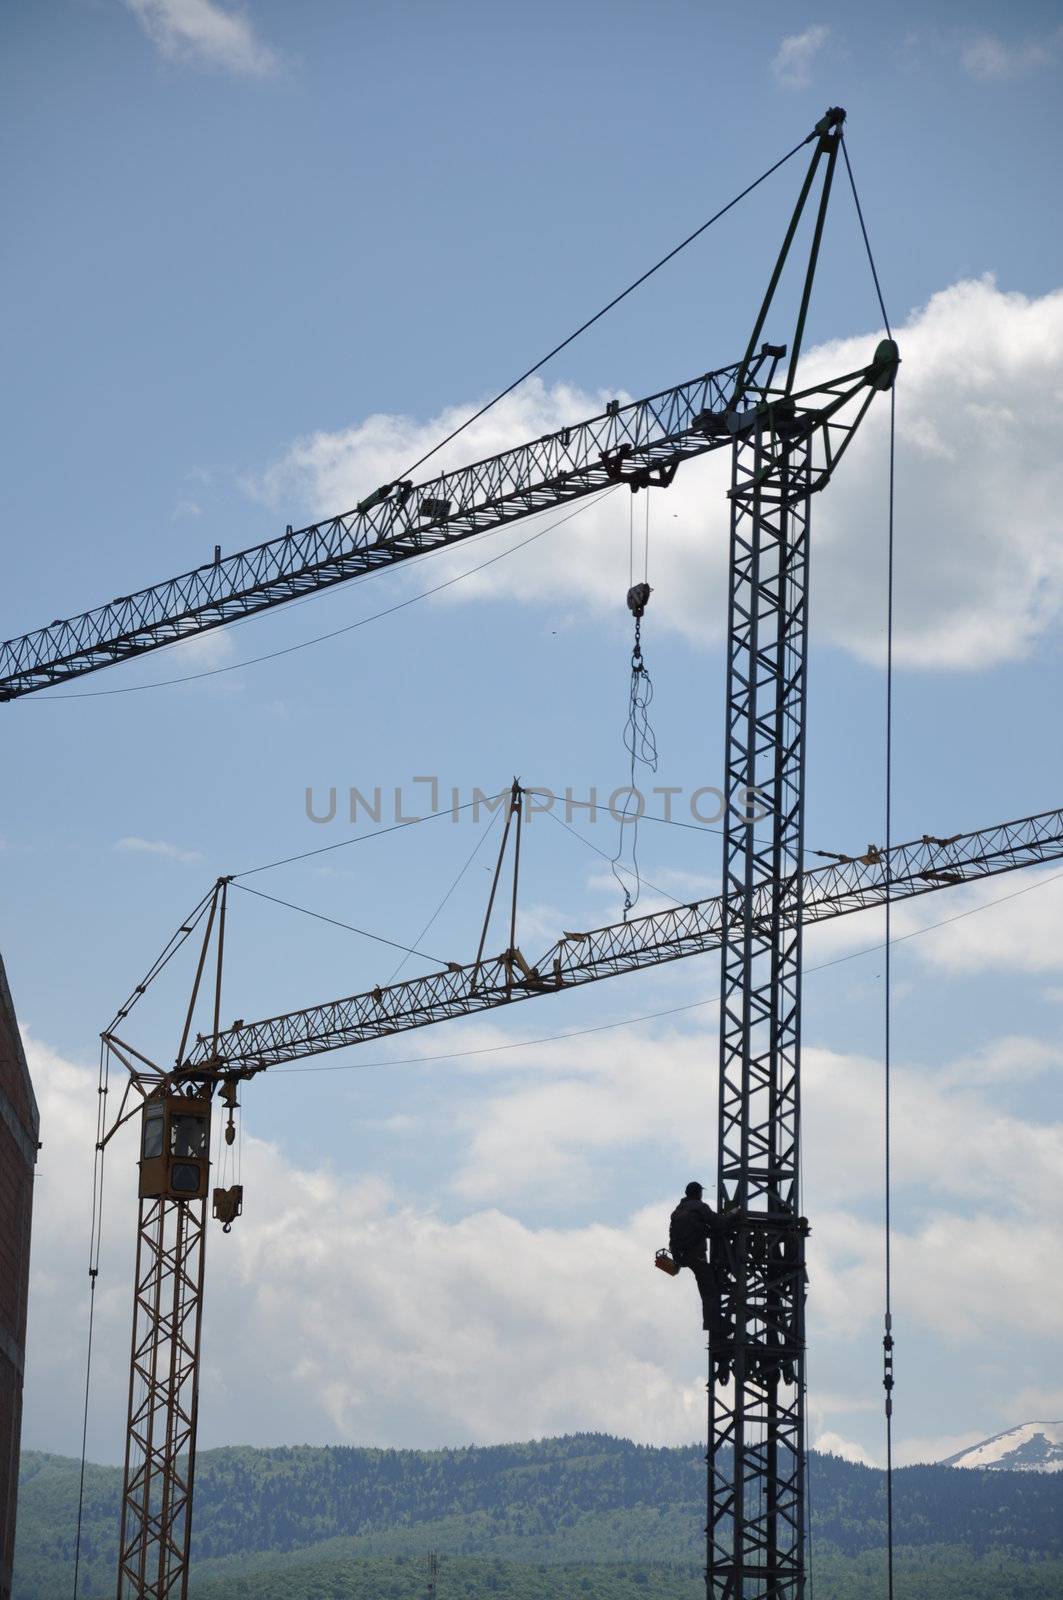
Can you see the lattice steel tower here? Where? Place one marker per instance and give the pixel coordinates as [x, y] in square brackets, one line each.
[783, 451]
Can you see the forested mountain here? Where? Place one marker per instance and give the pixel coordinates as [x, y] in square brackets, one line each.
[583, 1515]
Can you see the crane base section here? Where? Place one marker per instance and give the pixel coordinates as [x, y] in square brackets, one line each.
[163, 1398]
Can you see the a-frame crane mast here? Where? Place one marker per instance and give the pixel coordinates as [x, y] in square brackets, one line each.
[785, 444]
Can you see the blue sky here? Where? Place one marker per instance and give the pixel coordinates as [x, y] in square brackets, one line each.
[260, 257]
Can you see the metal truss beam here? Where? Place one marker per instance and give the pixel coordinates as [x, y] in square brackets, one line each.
[640, 444]
[163, 1400]
[846, 885]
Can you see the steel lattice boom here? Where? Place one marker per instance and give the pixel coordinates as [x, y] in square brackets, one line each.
[845, 885]
[639, 444]
[390, 526]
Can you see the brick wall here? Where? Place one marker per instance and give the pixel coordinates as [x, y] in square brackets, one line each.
[18, 1151]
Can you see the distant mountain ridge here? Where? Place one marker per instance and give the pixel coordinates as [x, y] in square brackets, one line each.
[1031, 1447]
[339, 1523]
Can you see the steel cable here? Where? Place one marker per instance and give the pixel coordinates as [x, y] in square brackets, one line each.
[670, 1011]
[887, 1335]
[598, 315]
[470, 858]
[95, 1235]
[348, 927]
[348, 627]
[887, 1339]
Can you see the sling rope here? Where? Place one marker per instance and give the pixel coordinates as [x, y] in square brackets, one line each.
[639, 740]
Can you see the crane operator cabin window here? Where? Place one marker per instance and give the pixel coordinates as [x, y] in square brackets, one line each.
[154, 1121]
[188, 1136]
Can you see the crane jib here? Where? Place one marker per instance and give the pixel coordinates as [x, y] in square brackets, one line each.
[640, 444]
[847, 884]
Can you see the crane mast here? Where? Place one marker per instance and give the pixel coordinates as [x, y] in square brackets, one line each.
[160, 1454]
[755, 1531]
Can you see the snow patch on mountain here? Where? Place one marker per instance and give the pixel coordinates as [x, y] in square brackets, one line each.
[1031, 1447]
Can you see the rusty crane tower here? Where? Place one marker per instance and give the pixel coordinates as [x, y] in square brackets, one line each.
[785, 442]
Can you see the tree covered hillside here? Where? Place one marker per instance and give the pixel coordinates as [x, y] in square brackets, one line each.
[572, 1502]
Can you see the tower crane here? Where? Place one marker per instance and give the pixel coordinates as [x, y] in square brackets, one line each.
[785, 442]
[174, 1104]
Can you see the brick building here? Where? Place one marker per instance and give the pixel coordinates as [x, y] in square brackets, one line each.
[19, 1123]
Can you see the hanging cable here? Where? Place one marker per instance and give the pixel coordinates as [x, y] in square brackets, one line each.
[363, 838]
[650, 1016]
[348, 927]
[582, 837]
[349, 627]
[887, 1337]
[470, 858]
[95, 1236]
[162, 960]
[598, 315]
[808, 1529]
[887, 1333]
[867, 242]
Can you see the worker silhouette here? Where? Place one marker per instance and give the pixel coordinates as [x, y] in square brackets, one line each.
[693, 1226]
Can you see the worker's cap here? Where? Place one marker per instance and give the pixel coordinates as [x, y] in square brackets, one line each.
[693, 1191]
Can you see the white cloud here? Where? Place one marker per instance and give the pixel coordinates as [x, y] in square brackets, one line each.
[920, 1448]
[396, 1324]
[186, 508]
[205, 32]
[535, 1131]
[991, 59]
[1019, 932]
[1035, 1403]
[908, 1449]
[792, 62]
[390, 1324]
[956, 1276]
[1013, 1059]
[829, 1443]
[979, 572]
[203, 651]
[537, 1123]
[979, 530]
[156, 847]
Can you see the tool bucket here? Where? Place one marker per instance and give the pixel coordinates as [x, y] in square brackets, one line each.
[663, 1260]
